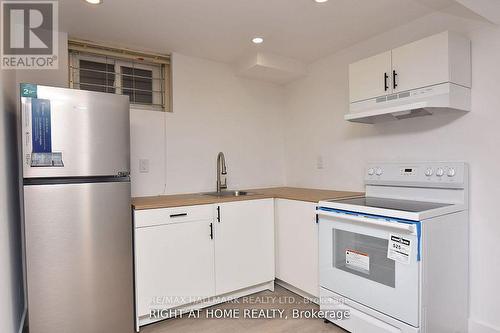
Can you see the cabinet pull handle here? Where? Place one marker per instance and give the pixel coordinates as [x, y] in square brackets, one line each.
[211, 231]
[394, 83]
[218, 214]
[386, 85]
[178, 215]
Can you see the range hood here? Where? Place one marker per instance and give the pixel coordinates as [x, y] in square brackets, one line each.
[444, 97]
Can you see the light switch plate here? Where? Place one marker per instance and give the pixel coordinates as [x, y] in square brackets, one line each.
[319, 162]
[143, 165]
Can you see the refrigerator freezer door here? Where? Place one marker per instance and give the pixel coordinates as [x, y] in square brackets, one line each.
[75, 133]
[79, 258]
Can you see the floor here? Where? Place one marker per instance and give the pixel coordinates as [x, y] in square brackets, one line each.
[280, 299]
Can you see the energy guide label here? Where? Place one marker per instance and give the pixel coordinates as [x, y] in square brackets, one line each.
[399, 249]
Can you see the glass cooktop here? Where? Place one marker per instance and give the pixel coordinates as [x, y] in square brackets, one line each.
[393, 204]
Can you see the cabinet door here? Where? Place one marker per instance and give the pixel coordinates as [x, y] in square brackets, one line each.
[297, 245]
[370, 78]
[174, 265]
[244, 244]
[421, 63]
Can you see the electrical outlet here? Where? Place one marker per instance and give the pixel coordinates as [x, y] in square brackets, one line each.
[319, 162]
[144, 166]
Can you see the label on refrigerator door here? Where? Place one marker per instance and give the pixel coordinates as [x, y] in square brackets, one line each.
[28, 90]
[399, 249]
[358, 261]
[47, 160]
[41, 135]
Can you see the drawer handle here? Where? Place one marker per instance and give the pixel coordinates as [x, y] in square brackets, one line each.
[178, 215]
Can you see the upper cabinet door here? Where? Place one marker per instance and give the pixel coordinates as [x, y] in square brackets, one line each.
[440, 58]
[370, 78]
[244, 244]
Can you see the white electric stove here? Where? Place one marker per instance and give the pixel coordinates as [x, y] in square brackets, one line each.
[397, 259]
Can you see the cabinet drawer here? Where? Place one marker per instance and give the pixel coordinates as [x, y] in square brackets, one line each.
[153, 217]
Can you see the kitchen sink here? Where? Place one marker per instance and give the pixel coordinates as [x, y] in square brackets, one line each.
[228, 193]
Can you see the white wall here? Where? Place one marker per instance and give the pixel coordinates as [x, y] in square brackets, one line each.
[11, 271]
[147, 141]
[50, 77]
[214, 110]
[315, 127]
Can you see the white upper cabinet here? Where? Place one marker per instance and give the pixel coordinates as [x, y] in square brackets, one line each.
[244, 244]
[441, 58]
[370, 77]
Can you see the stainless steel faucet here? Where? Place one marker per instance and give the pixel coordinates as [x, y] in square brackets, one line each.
[221, 172]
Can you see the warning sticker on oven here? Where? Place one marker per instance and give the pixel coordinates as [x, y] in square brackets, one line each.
[358, 261]
[399, 249]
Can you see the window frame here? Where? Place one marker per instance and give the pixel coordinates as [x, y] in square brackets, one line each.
[160, 68]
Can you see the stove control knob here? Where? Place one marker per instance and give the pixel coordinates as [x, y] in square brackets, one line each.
[451, 172]
[371, 171]
[440, 172]
[379, 171]
[429, 172]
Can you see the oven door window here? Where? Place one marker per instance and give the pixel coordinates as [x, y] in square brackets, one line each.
[364, 256]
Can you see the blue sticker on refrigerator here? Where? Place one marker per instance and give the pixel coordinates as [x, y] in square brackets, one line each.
[41, 126]
[41, 136]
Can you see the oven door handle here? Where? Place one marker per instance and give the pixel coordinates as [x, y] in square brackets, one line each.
[409, 228]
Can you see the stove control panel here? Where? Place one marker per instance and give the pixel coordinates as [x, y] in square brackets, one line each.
[421, 174]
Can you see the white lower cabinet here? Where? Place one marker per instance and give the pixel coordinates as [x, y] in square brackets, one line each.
[186, 254]
[297, 245]
[174, 262]
[244, 244]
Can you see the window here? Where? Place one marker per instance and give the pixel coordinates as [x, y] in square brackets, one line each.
[137, 84]
[97, 76]
[143, 77]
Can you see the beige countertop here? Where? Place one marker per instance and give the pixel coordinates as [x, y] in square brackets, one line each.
[292, 193]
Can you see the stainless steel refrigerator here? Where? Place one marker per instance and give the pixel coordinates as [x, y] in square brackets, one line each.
[77, 214]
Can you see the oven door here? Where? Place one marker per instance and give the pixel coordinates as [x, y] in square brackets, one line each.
[354, 263]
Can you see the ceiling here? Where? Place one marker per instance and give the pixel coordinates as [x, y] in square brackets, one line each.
[221, 30]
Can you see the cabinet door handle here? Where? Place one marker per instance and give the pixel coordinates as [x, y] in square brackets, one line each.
[211, 231]
[218, 214]
[178, 215]
[394, 83]
[386, 84]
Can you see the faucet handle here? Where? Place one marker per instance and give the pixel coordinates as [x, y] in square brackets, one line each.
[223, 181]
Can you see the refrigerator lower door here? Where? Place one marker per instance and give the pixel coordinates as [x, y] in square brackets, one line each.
[79, 258]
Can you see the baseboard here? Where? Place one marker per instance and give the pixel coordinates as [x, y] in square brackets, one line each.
[146, 320]
[480, 327]
[23, 320]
